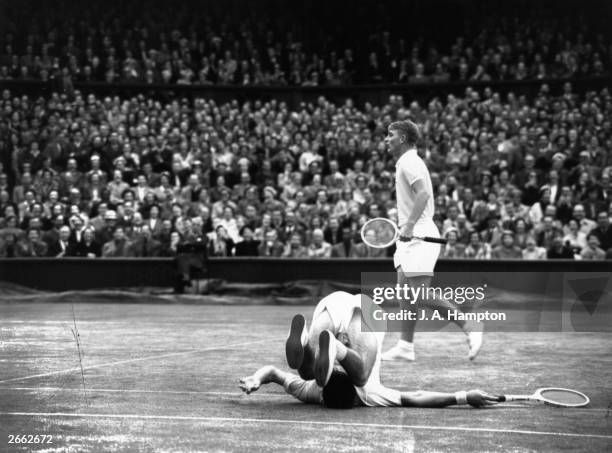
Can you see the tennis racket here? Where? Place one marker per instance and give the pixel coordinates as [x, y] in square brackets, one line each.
[553, 396]
[379, 233]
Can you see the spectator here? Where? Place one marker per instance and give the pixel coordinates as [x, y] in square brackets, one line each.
[476, 248]
[119, 246]
[558, 250]
[271, 246]
[345, 248]
[248, 246]
[294, 248]
[593, 251]
[144, 243]
[319, 248]
[87, 247]
[33, 246]
[506, 250]
[532, 251]
[62, 246]
[603, 231]
[452, 249]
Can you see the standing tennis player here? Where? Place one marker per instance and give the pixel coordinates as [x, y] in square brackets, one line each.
[414, 259]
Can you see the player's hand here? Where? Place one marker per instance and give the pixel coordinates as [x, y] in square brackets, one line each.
[478, 398]
[249, 384]
[407, 232]
[344, 339]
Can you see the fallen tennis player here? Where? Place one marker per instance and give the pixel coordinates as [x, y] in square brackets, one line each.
[338, 360]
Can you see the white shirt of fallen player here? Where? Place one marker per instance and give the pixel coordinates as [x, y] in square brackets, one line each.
[412, 176]
[340, 306]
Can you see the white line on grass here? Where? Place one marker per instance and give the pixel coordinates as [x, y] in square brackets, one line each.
[158, 392]
[305, 422]
[140, 359]
[237, 394]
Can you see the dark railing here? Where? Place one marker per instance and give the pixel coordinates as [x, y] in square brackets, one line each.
[293, 95]
[79, 274]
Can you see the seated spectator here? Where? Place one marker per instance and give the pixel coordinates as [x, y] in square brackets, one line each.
[575, 239]
[506, 250]
[8, 246]
[345, 248]
[362, 250]
[248, 246]
[144, 243]
[221, 244]
[271, 246]
[603, 230]
[476, 248]
[593, 251]
[546, 232]
[88, 247]
[532, 251]
[295, 249]
[318, 247]
[33, 246]
[558, 250]
[452, 249]
[119, 246]
[62, 246]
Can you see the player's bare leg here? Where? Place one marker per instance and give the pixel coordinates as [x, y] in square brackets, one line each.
[404, 349]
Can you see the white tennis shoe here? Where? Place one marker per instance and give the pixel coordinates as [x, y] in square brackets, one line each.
[400, 353]
[474, 340]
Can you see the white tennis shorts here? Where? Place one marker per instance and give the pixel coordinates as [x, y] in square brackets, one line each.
[418, 257]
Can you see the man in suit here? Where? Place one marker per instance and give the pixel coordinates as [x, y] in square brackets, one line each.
[346, 247]
[118, 246]
[144, 244]
[603, 230]
[88, 247]
[62, 246]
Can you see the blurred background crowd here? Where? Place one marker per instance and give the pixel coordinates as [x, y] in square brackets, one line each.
[274, 42]
[514, 176]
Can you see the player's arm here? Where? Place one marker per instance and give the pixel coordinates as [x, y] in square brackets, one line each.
[475, 398]
[265, 375]
[305, 391]
[421, 197]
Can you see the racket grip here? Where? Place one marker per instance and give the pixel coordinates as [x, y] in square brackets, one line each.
[501, 398]
[436, 240]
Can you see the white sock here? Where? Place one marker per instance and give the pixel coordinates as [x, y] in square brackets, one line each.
[405, 345]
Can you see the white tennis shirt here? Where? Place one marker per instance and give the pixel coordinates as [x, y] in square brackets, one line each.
[409, 169]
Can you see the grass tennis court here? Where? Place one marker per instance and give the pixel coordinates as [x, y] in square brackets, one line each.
[163, 377]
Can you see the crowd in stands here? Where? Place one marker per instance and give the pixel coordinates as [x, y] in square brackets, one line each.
[272, 42]
[113, 177]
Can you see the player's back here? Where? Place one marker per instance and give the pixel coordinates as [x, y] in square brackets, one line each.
[409, 169]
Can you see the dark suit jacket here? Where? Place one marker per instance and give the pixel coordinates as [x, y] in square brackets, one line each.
[82, 249]
[55, 248]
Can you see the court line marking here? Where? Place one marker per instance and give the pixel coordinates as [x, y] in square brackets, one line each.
[305, 422]
[169, 392]
[139, 359]
[236, 394]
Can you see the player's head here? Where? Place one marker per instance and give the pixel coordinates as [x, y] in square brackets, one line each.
[403, 134]
[339, 392]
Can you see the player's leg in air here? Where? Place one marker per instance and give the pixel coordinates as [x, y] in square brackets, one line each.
[302, 344]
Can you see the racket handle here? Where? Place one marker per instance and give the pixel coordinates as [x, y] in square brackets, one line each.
[423, 238]
[430, 239]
